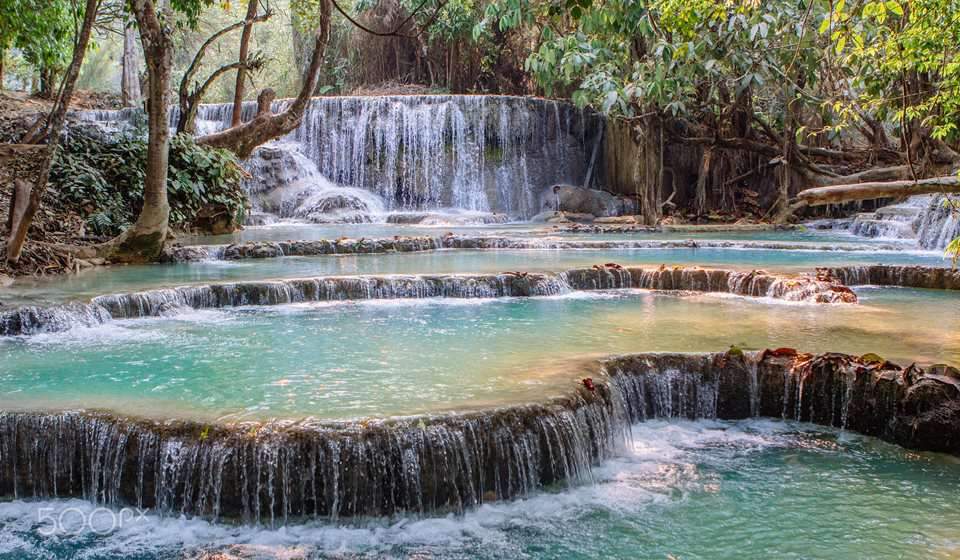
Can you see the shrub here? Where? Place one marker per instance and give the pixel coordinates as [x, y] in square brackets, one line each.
[103, 180]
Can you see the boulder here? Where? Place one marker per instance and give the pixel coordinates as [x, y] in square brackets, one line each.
[276, 166]
[252, 250]
[334, 208]
[215, 219]
[180, 253]
[580, 200]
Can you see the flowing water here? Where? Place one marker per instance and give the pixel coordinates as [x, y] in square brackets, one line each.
[677, 489]
[694, 490]
[426, 152]
[927, 221]
[100, 281]
[381, 358]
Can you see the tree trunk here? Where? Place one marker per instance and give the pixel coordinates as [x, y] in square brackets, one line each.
[703, 177]
[144, 241]
[20, 221]
[241, 72]
[885, 189]
[265, 126]
[130, 75]
[3, 55]
[46, 83]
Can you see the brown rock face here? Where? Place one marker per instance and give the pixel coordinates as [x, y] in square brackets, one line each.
[911, 407]
[905, 276]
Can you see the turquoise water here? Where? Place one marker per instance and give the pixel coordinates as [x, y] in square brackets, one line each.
[133, 278]
[750, 490]
[348, 360]
[687, 490]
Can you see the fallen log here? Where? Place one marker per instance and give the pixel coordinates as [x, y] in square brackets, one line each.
[836, 194]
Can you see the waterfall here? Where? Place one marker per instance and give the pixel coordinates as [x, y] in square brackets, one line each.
[473, 153]
[281, 471]
[903, 276]
[268, 474]
[285, 184]
[34, 319]
[926, 220]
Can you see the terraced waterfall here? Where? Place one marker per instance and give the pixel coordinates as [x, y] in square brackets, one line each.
[394, 360]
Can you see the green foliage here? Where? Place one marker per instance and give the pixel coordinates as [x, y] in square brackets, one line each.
[104, 180]
[904, 59]
[953, 252]
[189, 11]
[677, 55]
[834, 61]
[41, 29]
[953, 248]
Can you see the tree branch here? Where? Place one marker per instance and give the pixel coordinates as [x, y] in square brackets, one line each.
[184, 95]
[243, 139]
[396, 30]
[885, 189]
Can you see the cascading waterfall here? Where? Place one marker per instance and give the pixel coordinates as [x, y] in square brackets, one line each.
[276, 472]
[425, 152]
[903, 276]
[476, 153]
[932, 221]
[284, 184]
[167, 301]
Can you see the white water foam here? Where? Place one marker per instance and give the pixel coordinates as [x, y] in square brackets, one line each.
[658, 469]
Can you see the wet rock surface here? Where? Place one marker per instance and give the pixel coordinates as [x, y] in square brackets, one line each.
[267, 249]
[903, 276]
[272, 472]
[451, 241]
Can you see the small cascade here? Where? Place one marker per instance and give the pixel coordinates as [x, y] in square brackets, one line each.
[903, 276]
[267, 249]
[284, 184]
[336, 288]
[512, 284]
[37, 319]
[169, 301]
[927, 220]
[278, 472]
[270, 474]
